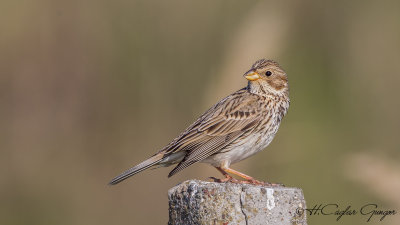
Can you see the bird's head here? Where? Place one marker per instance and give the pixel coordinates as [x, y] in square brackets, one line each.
[267, 77]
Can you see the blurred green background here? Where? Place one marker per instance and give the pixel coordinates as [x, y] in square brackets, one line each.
[89, 88]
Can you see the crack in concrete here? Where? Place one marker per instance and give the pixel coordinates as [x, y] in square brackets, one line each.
[241, 205]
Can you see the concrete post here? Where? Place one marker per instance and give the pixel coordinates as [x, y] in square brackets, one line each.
[200, 202]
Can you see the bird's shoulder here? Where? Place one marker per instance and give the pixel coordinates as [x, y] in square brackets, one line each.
[235, 112]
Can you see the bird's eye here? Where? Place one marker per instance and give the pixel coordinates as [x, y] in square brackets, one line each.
[268, 73]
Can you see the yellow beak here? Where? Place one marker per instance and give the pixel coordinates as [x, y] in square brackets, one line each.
[252, 76]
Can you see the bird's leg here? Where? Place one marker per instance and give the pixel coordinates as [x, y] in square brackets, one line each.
[248, 179]
[226, 175]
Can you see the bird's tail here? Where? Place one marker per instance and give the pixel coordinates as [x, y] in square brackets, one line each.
[137, 169]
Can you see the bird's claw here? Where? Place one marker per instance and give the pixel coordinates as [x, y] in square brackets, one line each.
[272, 184]
[252, 181]
[262, 183]
[225, 180]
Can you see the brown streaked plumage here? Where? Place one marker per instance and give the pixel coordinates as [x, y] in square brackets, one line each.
[235, 128]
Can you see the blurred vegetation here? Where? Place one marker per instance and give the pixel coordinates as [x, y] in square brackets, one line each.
[89, 88]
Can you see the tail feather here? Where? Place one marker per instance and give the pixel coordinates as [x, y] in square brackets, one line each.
[137, 169]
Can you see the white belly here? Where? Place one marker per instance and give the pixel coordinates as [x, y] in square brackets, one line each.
[240, 151]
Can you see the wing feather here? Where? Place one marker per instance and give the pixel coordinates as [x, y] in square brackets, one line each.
[221, 125]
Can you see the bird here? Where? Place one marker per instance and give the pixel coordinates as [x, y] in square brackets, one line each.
[235, 128]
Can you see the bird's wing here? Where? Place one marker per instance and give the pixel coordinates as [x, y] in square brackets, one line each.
[225, 122]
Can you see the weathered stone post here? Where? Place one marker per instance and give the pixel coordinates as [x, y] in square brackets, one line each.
[200, 202]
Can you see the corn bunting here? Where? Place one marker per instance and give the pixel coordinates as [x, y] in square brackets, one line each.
[235, 128]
